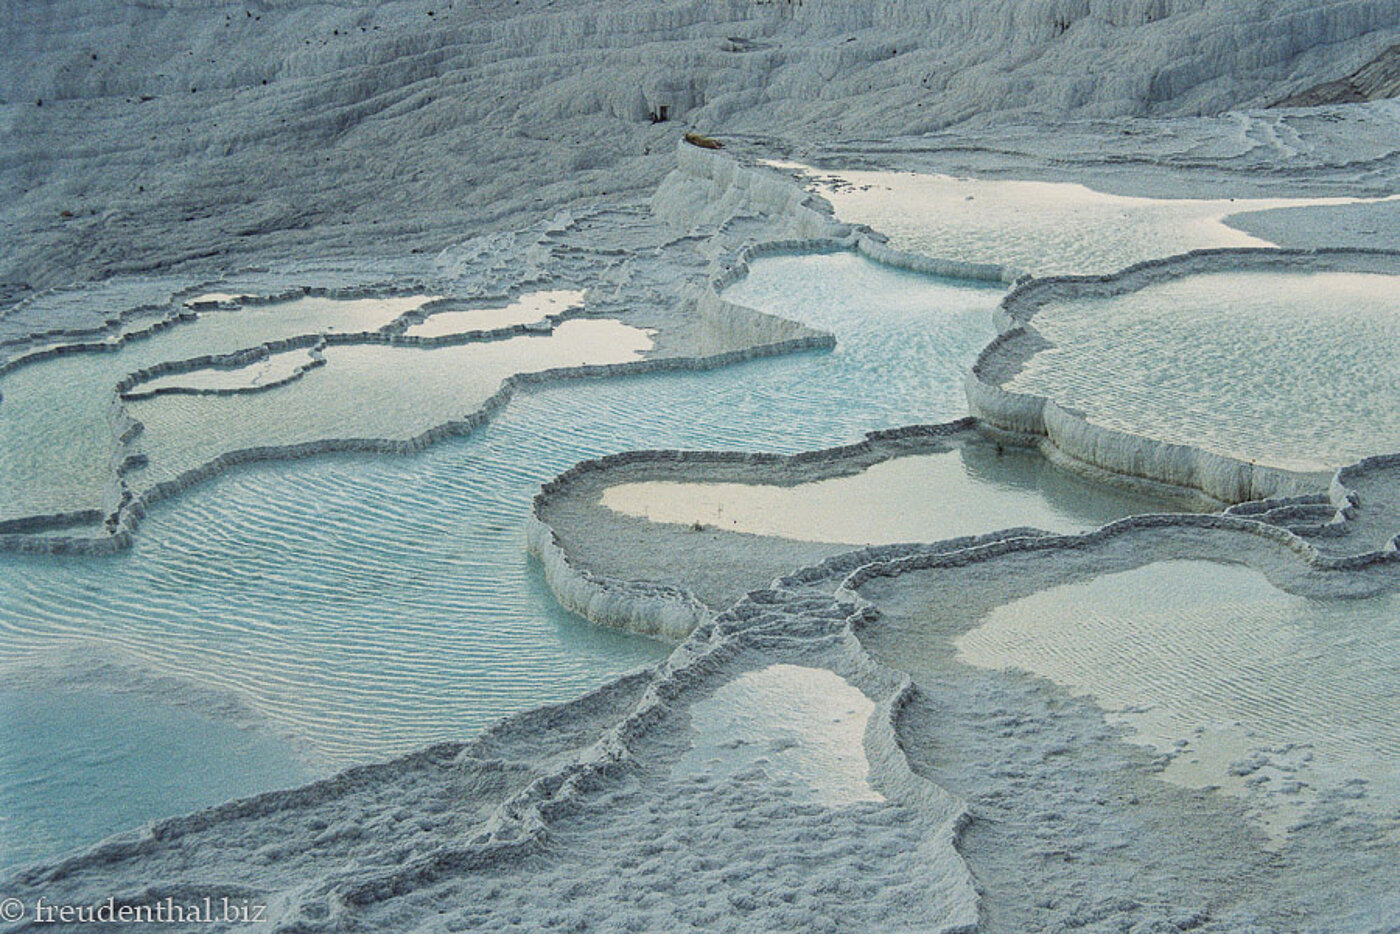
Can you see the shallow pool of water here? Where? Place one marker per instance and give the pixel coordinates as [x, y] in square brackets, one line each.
[363, 606]
[971, 490]
[1044, 228]
[1274, 697]
[1290, 369]
[58, 442]
[152, 760]
[530, 308]
[363, 391]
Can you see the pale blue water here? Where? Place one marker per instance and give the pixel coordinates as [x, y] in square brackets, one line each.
[364, 606]
[56, 743]
[1227, 361]
[1213, 661]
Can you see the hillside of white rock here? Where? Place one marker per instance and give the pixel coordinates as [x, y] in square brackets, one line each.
[191, 134]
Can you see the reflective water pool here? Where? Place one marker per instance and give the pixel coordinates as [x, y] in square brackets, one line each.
[363, 606]
[528, 309]
[923, 498]
[1274, 697]
[1044, 228]
[1290, 369]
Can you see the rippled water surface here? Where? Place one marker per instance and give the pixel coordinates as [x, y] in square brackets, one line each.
[1290, 369]
[363, 606]
[1272, 696]
[56, 438]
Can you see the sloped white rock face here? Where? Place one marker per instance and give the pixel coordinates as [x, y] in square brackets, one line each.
[200, 133]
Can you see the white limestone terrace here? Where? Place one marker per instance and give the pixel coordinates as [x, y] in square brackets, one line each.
[385, 129]
[269, 372]
[1200, 420]
[667, 577]
[589, 795]
[1062, 805]
[1151, 810]
[628, 840]
[630, 568]
[589, 813]
[145, 424]
[532, 309]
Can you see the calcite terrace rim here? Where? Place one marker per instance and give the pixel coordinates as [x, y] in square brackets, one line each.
[315, 344]
[656, 608]
[1068, 437]
[315, 357]
[181, 305]
[123, 522]
[1021, 418]
[663, 609]
[671, 612]
[180, 310]
[1182, 527]
[762, 628]
[813, 218]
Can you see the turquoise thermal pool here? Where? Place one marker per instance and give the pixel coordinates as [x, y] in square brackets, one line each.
[1273, 697]
[61, 740]
[60, 440]
[1297, 370]
[362, 606]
